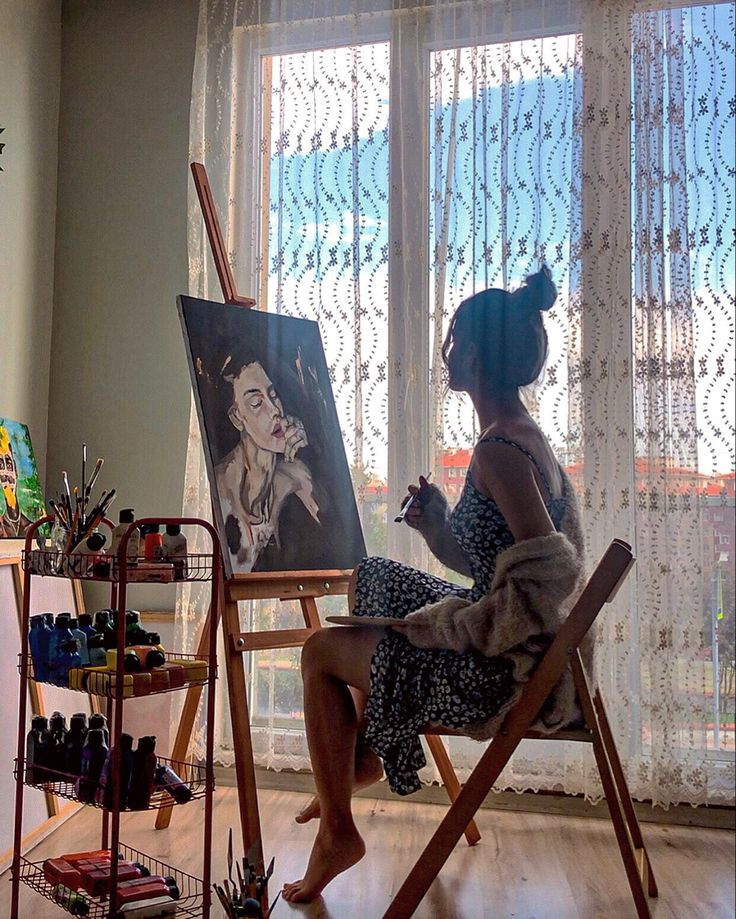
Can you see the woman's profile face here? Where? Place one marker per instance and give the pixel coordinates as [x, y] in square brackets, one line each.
[257, 409]
[460, 360]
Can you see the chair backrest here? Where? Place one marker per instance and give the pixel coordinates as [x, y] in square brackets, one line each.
[601, 588]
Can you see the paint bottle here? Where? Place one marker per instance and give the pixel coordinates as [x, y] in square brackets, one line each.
[94, 754]
[74, 903]
[126, 517]
[81, 639]
[153, 544]
[97, 721]
[58, 732]
[158, 908]
[38, 744]
[60, 634]
[166, 778]
[104, 626]
[141, 889]
[38, 639]
[74, 744]
[66, 661]
[135, 634]
[85, 624]
[142, 774]
[175, 550]
[96, 651]
[106, 786]
[91, 545]
[151, 655]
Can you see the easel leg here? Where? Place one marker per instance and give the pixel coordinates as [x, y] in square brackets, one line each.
[250, 821]
[186, 723]
[310, 613]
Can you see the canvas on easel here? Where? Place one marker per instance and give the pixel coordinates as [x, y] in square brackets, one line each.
[281, 488]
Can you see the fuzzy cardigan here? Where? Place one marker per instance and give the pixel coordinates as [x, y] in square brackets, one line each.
[535, 585]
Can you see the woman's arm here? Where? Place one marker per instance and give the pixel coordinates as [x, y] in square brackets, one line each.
[431, 517]
[443, 545]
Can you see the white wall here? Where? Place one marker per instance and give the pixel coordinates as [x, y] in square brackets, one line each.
[30, 48]
[119, 378]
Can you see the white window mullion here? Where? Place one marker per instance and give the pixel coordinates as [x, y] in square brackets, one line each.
[408, 319]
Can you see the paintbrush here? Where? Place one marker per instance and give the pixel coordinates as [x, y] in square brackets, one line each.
[276, 900]
[230, 855]
[93, 477]
[262, 882]
[224, 901]
[84, 476]
[241, 881]
[60, 516]
[100, 509]
[67, 496]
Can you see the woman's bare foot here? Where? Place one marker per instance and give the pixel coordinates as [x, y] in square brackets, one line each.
[368, 771]
[332, 853]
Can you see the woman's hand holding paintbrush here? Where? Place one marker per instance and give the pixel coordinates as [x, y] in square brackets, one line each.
[425, 508]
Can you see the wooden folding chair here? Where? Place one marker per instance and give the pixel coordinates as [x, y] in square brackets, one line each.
[563, 652]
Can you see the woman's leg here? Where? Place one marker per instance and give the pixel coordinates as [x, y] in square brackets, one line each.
[332, 661]
[368, 768]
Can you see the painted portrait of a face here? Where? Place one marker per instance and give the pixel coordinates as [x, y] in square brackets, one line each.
[275, 457]
[257, 408]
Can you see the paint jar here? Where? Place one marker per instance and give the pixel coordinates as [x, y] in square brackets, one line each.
[175, 550]
[153, 544]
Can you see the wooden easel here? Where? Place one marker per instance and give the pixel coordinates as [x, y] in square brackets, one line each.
[304, 586]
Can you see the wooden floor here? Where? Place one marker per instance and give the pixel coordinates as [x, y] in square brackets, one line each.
[527, 866]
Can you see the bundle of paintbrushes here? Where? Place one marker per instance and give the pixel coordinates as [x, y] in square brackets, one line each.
[76, 514]
[242, 900]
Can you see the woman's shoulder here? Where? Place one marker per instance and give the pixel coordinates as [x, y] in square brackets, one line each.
[505, 445]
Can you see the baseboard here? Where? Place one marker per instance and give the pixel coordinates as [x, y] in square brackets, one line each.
[721, 818]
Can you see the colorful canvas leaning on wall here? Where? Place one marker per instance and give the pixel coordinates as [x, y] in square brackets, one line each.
[278, 473]
[21, 497]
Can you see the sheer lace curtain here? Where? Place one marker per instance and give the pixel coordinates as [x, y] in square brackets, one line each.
[374, 163]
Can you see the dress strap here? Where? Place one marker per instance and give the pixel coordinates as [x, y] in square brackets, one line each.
[530, 456]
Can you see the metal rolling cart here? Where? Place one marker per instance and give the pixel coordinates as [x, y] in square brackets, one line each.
[121, 572]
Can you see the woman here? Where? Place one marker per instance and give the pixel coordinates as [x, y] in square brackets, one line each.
[462, 656]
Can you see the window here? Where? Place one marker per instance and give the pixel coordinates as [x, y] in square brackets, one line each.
[432, 160]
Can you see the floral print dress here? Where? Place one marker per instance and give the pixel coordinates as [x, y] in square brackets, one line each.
[412, 687]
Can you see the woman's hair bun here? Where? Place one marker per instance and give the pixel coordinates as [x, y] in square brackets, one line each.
[538, 293]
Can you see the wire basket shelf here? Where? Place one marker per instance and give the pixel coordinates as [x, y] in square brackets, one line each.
[190, 887]
[49, 563]
[101, 682]
[192, 787]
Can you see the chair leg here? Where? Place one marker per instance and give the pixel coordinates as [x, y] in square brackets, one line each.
[635, 867]
[623, 792]
[461, 812]
[452, 785]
